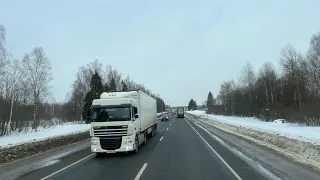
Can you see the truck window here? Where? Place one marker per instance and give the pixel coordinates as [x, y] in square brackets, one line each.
[111, 114]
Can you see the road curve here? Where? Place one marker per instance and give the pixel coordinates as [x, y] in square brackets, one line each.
[180, 150]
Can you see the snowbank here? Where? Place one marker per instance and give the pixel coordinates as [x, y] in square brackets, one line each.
[292, 140]
[47, 130]
[158, 114]
[42, 134]
[278, 127]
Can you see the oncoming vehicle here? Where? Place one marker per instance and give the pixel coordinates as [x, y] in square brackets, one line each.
[180, 112]
[165, 117]
[121, 121]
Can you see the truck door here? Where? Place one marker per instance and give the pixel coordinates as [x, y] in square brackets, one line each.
[135, 115]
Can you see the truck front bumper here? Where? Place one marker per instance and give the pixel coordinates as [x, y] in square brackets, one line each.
[127, 144]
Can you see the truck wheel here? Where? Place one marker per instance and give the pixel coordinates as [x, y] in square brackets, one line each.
[137, 145]
[145, 138]
[154, 130]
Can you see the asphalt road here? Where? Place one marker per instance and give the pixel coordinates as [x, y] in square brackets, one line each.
[180, 150]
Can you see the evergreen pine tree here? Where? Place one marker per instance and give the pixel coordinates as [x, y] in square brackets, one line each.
[96, 88]
[190, 105]
[210, 103]
[163, 106]
[112, 85]
[124, 86]
[106, 87]
[195, 105]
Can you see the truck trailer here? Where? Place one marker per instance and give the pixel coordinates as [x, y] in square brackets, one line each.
[121, 121]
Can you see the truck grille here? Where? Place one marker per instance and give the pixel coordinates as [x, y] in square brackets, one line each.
[103, 131]
[110, 143]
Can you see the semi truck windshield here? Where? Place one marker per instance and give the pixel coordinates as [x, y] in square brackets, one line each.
[111, 114]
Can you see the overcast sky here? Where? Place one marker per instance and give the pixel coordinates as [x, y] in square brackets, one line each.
[178, 49]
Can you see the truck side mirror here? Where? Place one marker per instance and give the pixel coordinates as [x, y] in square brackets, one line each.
[135, 110]
[136, 116]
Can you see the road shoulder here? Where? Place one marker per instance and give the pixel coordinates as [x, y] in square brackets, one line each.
[277, 164]
[15, 169]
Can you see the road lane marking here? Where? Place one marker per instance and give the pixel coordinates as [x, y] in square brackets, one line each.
[50, 175]
[141, 171]
[167, 129]
[253, 163]
[170, 124]
[216, 153]
[161, 138]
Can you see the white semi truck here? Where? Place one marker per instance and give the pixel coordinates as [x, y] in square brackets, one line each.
[121, 121]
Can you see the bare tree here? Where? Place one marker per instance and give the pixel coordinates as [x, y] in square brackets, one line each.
[37, 69]
[247, 80]
[268, 76]
[313, 63]
[289, 61]
[11, 88]
[3, 52]
[113, 74]
[80, 86]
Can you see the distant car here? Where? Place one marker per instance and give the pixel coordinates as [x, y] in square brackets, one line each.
[165, 117]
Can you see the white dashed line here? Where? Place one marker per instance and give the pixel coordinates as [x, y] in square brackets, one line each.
[167, 129]
[170, 124]
[216, 153]
[141, 171]
[50, 175]
[161, 138]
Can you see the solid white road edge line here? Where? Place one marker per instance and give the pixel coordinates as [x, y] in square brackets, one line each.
[50, 175]
[254, 164]
[216, 153]
[161, 138]
[141, 171]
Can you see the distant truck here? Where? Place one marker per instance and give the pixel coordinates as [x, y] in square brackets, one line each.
[121, 121]
[180, 112]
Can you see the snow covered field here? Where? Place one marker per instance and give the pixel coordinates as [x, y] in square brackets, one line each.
[42, 134]
[49, 129]
[295, 131]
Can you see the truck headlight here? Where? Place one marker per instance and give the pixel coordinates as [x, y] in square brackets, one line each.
[127, 142]
[94, 141]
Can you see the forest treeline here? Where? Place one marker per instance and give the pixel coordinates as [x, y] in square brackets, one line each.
[26, 100]
[291, 92]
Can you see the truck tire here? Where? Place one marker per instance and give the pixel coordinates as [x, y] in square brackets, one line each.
[154, 130]
[145, 138]
[137, 145]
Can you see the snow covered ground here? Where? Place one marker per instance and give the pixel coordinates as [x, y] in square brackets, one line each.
[295, 131]
[42, 134]
[158, 114]
[49, 129]
[298, 142]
